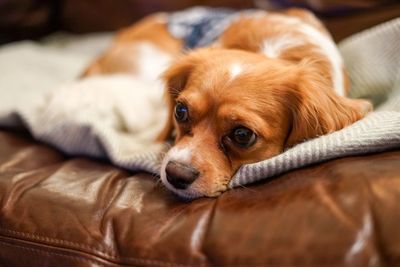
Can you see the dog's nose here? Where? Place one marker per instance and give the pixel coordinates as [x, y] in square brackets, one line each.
[180, 175]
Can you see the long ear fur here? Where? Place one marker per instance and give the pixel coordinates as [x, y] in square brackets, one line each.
[318, 110]
[175, 78]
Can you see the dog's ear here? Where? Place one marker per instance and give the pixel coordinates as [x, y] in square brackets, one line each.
[317, 110]
[175, 79]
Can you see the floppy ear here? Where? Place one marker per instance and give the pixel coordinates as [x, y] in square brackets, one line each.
[317, 110]
[175, 78]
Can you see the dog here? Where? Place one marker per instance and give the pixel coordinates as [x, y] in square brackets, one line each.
[262, 83]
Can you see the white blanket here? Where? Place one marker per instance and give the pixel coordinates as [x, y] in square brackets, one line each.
[117, 117]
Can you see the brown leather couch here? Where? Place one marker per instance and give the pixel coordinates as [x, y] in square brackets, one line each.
[61, 211]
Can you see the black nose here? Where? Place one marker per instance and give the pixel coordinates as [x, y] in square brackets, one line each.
[180, 175]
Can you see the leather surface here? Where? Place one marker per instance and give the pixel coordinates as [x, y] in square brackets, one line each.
[60, 211]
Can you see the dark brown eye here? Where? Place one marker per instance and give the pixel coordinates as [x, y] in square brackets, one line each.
[181, 112]
[243, 137]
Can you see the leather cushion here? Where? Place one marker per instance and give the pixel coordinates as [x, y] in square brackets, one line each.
[61, 211]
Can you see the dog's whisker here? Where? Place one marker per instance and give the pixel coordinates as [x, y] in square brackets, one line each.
[247, 188]
[158, 182]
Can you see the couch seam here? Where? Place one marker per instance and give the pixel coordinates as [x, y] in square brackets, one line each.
[38, 251]
[54, 240]
[111, 257]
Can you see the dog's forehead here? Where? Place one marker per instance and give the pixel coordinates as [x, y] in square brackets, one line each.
[222, 75]
[233, 82]
[228, 103]
[217, 75]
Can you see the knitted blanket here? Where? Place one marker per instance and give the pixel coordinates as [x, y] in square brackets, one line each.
[117, 117]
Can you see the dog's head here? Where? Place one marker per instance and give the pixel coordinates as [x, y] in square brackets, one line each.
[231, 107]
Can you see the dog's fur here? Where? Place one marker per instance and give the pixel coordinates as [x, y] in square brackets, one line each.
[276, 74]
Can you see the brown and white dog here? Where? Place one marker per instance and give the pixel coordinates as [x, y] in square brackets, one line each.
[270, 81]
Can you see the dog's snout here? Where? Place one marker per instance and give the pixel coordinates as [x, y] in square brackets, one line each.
[180, 175]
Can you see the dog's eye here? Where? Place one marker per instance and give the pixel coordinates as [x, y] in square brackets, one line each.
[243, 137]
[181, 112]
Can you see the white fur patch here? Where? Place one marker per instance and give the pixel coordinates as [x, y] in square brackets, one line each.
[273, 47]
[182, 155]
[329, 49]
[235, 70]
[151, 61]
[325, 44]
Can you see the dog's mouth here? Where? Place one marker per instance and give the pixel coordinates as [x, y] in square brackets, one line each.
[184, 194]
[188, 195]
[193, 191]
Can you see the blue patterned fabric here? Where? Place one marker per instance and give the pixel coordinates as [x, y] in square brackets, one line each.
[200, 26]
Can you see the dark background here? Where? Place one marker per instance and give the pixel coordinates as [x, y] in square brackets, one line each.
[31, 19]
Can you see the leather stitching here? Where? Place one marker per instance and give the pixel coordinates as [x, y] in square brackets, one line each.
[82, 246]
[56, 241]
[38, 251]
